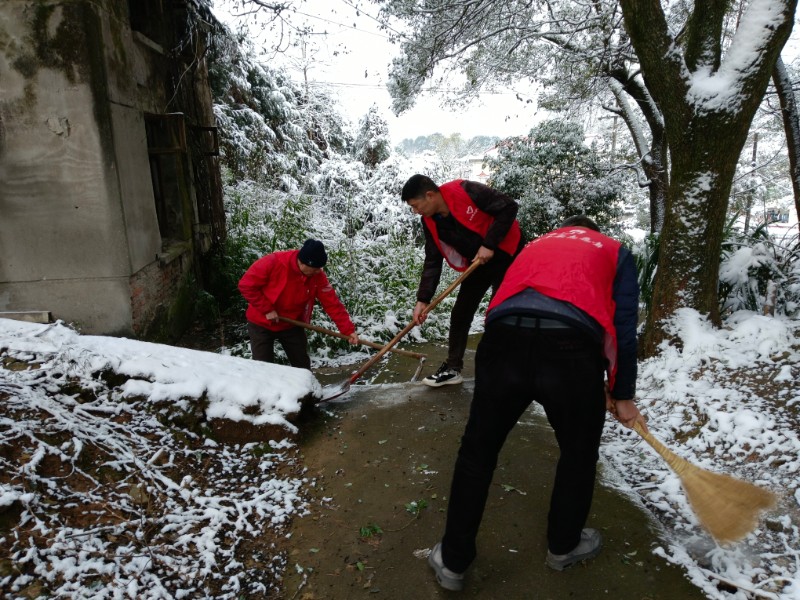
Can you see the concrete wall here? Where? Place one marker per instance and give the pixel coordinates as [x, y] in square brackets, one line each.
[77, 214]
[58, 231]
[135, 189]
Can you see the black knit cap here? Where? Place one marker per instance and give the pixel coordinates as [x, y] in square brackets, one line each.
[313, 254]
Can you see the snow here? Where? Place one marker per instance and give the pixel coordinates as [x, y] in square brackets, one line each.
[232, 385]
[98, 476]
[712, 398]
[722, 90]
[699, 404]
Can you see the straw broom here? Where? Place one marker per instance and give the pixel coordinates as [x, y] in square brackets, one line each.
[728, 508]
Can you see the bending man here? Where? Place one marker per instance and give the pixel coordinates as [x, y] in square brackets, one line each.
[564, 318]
[463, 221]
[286, 284]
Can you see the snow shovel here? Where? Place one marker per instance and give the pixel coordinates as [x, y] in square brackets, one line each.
[330, 392]
[420, 357]
[728, 508]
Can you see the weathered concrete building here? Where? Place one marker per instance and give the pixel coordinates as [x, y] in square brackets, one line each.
[110, 191]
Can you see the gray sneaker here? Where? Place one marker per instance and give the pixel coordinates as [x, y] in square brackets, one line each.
[444, 376]
[590, 545]
[446, 578]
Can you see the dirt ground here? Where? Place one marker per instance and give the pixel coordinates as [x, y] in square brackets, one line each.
[386, 446]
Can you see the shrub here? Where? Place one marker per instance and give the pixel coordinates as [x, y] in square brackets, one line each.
[751, 263]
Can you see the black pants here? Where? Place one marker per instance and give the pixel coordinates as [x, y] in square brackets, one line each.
[293, 341]
[562, 369]
[470, 293]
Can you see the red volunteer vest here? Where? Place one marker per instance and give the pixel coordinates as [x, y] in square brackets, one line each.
[573, 264]
[470, 216]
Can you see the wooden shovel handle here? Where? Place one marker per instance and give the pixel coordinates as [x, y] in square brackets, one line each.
[411, 325]
[319, 329]
[452, 286]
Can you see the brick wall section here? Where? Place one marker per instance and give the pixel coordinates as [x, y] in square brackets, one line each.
[156, 287]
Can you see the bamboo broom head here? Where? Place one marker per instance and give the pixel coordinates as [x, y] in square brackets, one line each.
[728, 508]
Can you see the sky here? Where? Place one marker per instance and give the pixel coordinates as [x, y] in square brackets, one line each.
[745, 427]
[353, 60]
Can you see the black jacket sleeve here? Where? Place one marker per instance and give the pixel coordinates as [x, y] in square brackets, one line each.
[626, 316]
[498, 205]
[431, 268]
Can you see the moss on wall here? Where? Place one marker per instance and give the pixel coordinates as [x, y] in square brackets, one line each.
[60, 37]
[65, 37]
[172, 320]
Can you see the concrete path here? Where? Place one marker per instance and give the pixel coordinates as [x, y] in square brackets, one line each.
[388, 445]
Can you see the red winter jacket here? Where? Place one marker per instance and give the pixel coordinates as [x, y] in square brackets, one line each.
[275, 282]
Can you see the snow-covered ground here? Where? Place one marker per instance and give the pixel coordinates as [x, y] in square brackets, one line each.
[728, 400]
[166, 373]
[108, 487]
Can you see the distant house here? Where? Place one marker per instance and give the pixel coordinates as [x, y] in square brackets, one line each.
[475, 167]
[110, 192]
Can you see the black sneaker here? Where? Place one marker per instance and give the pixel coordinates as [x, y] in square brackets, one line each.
[444, 376]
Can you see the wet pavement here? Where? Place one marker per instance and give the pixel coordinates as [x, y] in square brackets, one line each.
[392, 443]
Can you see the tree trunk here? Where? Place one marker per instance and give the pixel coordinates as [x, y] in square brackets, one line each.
[654, 157]
[705, 138]
[656, 170]
[691, 240]
[750, 194]
[791, 125]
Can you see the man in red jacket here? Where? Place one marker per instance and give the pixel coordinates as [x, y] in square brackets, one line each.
[286, 284]
[463, 221]
[563, 319]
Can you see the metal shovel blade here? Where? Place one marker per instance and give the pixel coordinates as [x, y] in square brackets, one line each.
[329, 392]
[417, 373]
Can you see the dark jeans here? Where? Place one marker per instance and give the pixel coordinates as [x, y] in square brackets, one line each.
[470, 293]
[563, 371]
[293, 341]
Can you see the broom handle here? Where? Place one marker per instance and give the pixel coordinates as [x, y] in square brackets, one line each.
[675, 462]
[345, 337]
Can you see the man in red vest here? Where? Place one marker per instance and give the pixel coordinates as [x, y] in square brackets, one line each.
[286, 284]
[463, 221]
[563, 319]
